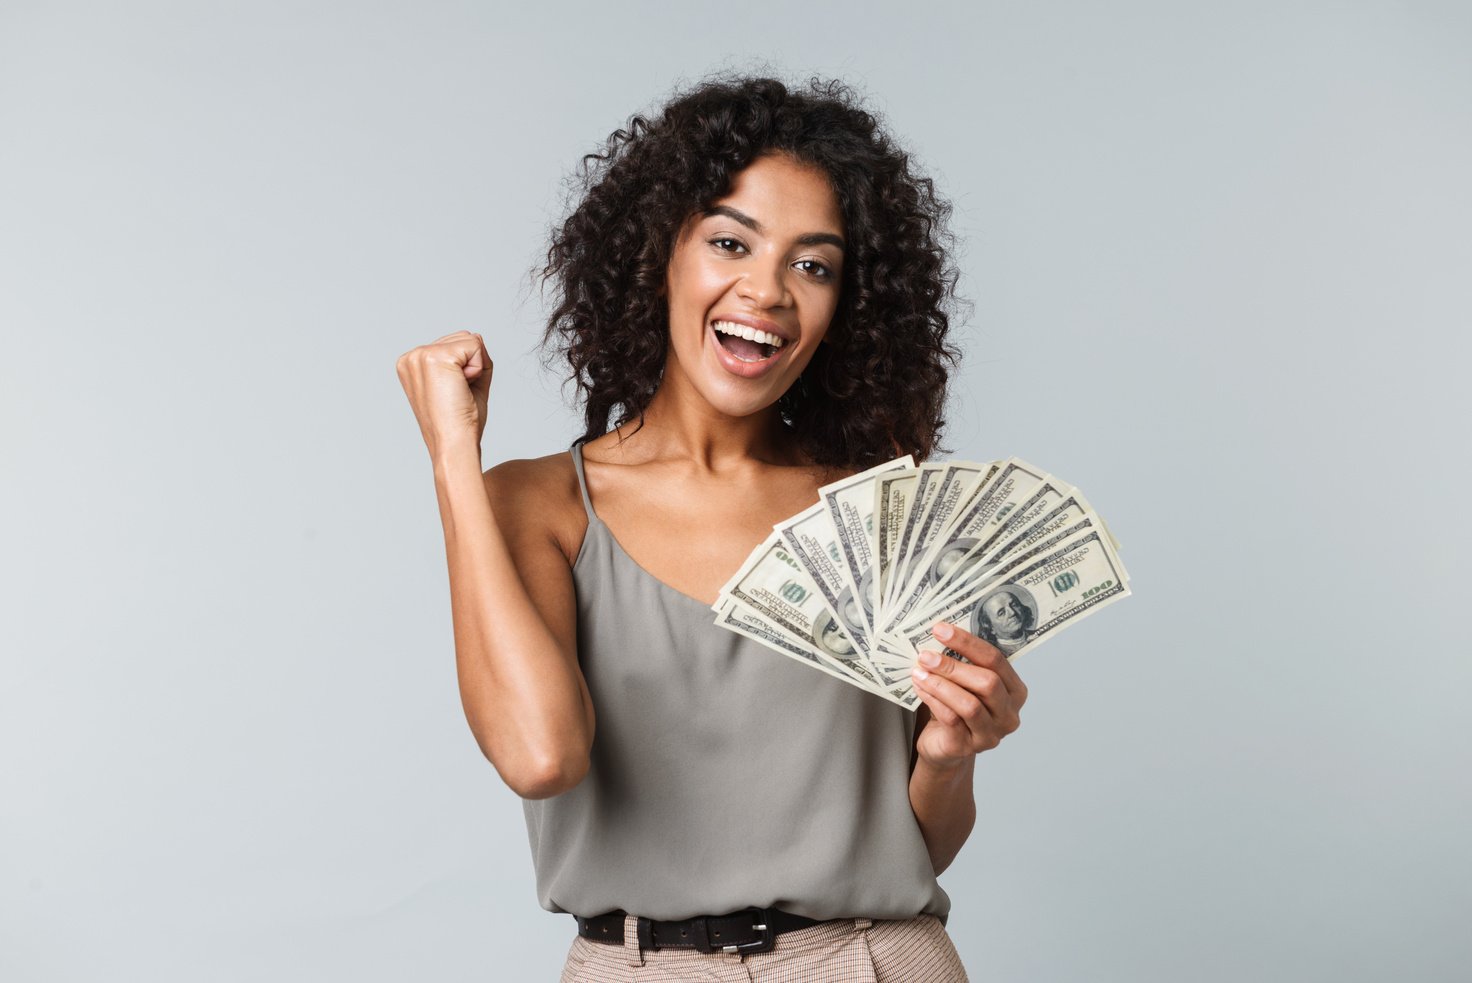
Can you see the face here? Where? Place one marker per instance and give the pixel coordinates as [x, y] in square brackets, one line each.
[1005, 614]
[767, 257]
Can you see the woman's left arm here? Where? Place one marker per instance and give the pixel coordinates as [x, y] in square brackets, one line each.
[971, 708]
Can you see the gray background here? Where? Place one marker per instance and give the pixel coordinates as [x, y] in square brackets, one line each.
[1219, 256]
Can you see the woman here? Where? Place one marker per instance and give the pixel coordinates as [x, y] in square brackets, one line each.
[750, 295]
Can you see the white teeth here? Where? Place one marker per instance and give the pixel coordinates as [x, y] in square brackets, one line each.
[750, 334]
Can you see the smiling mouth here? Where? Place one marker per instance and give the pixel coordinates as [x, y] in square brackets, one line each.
[746, 344]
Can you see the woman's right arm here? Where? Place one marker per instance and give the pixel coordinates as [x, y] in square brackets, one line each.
[511, 591]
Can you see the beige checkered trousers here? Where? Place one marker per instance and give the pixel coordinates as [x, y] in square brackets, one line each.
[849, 950]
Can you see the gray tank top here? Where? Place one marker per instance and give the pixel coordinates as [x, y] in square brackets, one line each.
[724, 775]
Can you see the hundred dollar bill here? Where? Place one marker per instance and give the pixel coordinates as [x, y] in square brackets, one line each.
[892, 496]
[933, 610]
[1039, 594]
[850, 504]
[1006, 488]
[957, 486]
[853, 585]
[893, 662]
[743, 620]
[954, 488]
[813, 542]
[963, 556]
[927, 483]
[1025, 530]
[774, 586]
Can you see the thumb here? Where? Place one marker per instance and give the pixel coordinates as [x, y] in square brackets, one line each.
[475, 364]
[478, 367]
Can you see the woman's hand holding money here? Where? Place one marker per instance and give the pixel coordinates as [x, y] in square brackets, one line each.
[972, 707]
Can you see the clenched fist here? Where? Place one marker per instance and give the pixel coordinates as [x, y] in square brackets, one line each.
[448, 382]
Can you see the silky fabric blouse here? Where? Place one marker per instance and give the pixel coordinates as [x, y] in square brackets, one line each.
[724, 775]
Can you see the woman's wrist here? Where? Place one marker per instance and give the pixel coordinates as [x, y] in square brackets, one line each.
[456, 456]
[950, 771]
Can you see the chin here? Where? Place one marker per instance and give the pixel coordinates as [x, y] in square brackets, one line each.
[738, 405]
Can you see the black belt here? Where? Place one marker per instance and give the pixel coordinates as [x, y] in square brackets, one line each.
[748, 930]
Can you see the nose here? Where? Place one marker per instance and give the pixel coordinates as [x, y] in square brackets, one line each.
[763, 284]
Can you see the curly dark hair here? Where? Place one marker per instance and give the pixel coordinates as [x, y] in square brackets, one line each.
[876, 394]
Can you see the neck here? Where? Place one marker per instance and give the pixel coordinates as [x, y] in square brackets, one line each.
[679, 422]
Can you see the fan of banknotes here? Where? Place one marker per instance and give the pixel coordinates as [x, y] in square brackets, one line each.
[853, 585]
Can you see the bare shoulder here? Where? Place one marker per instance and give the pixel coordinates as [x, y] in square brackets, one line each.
[537, 500]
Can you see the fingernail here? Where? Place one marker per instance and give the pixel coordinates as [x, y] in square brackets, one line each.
[929, 658]
[919, 673]
[942, 631]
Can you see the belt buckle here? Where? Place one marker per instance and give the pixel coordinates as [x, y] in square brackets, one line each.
[766, 939]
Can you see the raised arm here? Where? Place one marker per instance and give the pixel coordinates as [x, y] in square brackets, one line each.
[511, 591]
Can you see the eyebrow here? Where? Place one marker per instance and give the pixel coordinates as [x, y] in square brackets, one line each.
[806, 239]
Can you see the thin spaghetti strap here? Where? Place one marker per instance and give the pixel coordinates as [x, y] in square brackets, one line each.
[577, 463]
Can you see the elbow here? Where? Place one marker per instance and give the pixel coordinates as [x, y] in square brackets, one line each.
[546, 777]
[539, 762]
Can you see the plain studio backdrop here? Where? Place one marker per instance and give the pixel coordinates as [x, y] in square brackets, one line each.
[1220, 264]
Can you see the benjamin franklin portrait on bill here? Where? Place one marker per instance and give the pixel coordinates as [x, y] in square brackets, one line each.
[832, 640]
[1006, 617]
[953, 562]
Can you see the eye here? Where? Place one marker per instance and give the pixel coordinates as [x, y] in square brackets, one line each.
[720, 239]
[826, 273]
